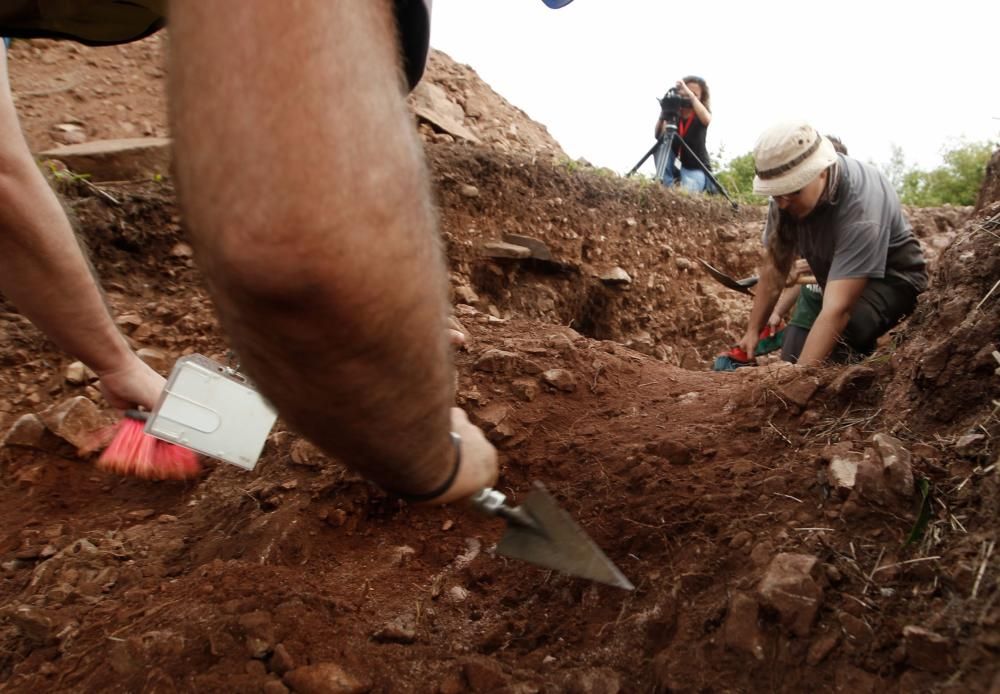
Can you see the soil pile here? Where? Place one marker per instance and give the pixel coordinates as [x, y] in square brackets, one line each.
[827, 529]
[67, 93]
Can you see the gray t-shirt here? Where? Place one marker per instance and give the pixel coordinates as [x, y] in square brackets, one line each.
[861, 233]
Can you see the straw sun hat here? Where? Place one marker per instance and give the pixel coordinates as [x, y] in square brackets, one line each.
[788, 156]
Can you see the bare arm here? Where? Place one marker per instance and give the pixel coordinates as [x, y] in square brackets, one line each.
[839, 297]
[44, 273]
[704, 115]
[305, 193]
[785, 302]
[766, 294]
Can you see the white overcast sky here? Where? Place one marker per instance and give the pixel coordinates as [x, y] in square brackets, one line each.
[918, 74]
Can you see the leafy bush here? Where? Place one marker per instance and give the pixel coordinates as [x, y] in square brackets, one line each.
[957, 182]
[736, 176]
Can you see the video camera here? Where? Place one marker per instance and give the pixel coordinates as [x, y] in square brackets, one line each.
[671, 105]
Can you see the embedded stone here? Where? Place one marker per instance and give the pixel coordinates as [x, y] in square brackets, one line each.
[28, 431]
[500, 249]
[75, 420]
[324, 678]
[560, 379]
[790, 589]
[741, 631]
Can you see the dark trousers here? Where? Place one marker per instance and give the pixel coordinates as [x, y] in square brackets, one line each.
[882, 304]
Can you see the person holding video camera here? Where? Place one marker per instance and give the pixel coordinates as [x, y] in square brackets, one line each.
[691, 117]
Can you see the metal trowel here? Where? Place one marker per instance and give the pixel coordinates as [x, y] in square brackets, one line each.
[542, 533]
[730, 282]
[746, 283]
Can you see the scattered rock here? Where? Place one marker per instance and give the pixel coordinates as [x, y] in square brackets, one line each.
[116, 160]
[484, 674]
[430, 102]
[560, 379]
[457, 594]
[401, 555]
[896, 464]
[615, 275]
[78, 374]
[885, 474]
[157, 359]
[927, 650]
[741, 631]
[181, 250]
[468, 191]
[855, 628]
[537, 248]
[970, 444]
[761, 553]
[593, 681]
[400, 629]
[499, 249]
[304, 453]
[855, 379]
[28, 431]
[75, 420]
[822, 647]
[673, 451]
[141, 514]
[790, 589]
[465, 295]
[842, 473]
[43, 627]
[258, 627]
[489, 417]
[255, 668]
[799, 391]
[740, 540]
[525, 388]
[501, 362]
[281, 660]
[324, 678]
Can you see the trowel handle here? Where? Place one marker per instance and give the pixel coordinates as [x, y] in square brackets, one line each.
[494, 503]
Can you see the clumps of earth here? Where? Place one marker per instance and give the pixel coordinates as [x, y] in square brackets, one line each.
[828, 529]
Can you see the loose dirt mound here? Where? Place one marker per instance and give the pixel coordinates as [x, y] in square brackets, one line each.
[67, 93]
[763, 517]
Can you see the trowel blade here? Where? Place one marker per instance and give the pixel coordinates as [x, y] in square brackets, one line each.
[725, 280]
[558, 543]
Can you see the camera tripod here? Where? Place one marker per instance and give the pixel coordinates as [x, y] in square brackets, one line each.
[664, 143]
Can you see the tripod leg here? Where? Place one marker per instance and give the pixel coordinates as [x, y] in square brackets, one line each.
[665, 159]
[708, 173]
[647, 155]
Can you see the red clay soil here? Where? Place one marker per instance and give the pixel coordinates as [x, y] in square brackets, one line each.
[756, 567]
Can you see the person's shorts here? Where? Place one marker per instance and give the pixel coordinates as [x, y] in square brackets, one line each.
[109, 22]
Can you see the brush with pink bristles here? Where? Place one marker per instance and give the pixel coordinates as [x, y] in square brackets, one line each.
[132, 452]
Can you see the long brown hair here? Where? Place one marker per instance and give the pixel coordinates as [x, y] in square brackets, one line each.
[705, 97]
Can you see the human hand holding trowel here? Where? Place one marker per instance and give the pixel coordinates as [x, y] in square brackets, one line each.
[538, 531]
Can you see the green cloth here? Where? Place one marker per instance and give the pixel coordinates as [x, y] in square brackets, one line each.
[771, 343]
[808, 306]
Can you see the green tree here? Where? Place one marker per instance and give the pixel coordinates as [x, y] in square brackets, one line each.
[895, 169]
[736, 176]
[956, 182]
